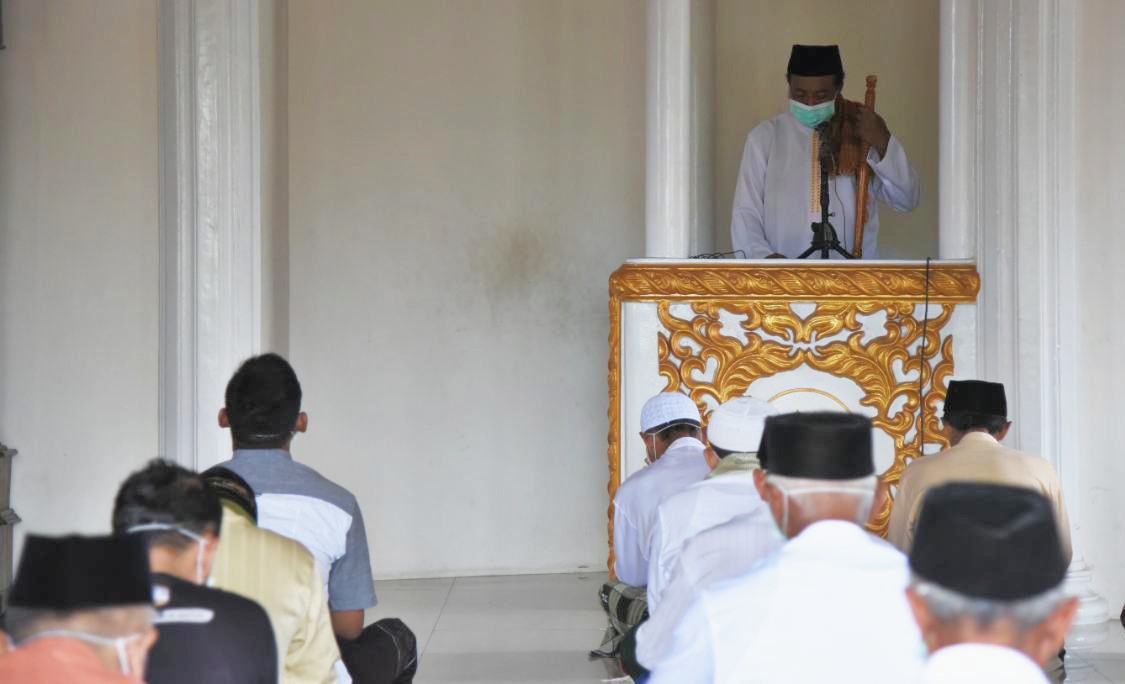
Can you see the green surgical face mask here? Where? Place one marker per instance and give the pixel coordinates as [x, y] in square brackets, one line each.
[812, 116]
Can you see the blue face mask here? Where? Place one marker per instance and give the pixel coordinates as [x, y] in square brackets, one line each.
[812, 116]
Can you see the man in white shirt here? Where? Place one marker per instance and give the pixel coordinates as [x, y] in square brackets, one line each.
[734, 430]
[829, 605]
[728, 550]
[670, 430]
[776, 197]
[988, 568]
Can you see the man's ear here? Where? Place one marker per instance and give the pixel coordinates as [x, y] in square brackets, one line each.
[1004, 433]
[924, 617]
[760, 482]
[209, 553]
[224, 419]
[302, 422]
[1051, 633]
[712, 458]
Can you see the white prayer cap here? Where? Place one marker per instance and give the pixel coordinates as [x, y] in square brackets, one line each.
[666, 409]
[737, 425]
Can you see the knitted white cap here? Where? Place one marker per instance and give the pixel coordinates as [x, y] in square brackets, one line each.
[737, 425]
[668, 408]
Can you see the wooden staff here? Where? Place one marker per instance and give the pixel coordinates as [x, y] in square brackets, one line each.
[864, 176]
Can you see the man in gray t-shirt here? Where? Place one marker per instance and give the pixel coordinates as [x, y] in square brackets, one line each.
[263, 412]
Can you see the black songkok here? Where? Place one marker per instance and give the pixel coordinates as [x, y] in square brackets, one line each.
[81, 573]
[818, 446]
[976, 398]
[815, 60]
[988, 541]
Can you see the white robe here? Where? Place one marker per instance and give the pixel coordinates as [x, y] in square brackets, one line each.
[773, 211]
[703, 505]
[981, 664]
[728, 550]
[829, 606]
[634, 505]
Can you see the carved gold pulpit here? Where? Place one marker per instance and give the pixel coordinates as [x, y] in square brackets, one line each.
[878, 338]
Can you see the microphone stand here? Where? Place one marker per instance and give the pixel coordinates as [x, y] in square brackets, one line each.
[824, 238]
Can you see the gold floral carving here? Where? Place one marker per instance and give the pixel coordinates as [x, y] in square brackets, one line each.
[808, 281]
[889, 367]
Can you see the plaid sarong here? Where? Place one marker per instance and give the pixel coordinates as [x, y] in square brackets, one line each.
[625, 607]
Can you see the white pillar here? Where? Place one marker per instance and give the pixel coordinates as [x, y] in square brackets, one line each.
[678, 189]
[957, 168]
[1008, 144]
[210, 216]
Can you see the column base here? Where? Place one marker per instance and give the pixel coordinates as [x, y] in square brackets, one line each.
[1091, 626]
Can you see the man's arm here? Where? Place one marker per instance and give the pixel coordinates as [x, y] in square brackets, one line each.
[747, 227]
[347, 624]
[629, 564]
[690, 658]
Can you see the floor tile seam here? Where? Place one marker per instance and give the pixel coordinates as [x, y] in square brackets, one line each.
[437, 621]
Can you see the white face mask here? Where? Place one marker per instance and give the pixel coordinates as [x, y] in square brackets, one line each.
[119, 644]
[201, 543]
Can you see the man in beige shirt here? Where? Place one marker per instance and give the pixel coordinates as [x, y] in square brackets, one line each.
[281, 575]
[975, 420]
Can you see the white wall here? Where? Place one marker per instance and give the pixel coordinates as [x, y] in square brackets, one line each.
[464, 178]
[78, 255]
[1101, 239]
[896, 40]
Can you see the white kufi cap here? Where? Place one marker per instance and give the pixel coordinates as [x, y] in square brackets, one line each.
[668, 408]
[737, 425]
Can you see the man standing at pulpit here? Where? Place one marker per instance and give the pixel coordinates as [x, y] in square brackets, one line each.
[777, 195]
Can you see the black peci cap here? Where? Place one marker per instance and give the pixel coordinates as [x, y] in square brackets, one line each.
[815, 60]
[819, 446]
[972, 398]
[81, 573]
[988, 541]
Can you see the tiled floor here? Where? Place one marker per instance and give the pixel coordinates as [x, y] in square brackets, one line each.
[525, 628]
[539, 628]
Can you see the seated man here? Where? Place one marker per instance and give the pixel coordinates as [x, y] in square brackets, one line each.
[674, 459]
[988, 569]
[279, 574]
[975, 420]
[670, 430]
[80, 611]
[724, 551]
[829, 605]
[206, 635]
[734, 431]
[263, 412]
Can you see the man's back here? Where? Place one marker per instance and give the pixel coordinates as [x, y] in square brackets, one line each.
[638, 498]
[209, 635]
[702, 505]
[724, 551]
[978, 457]
[281, 575]
[829, 606]
[297, 502]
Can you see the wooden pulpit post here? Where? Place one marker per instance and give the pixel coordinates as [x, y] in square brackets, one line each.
[864, 176]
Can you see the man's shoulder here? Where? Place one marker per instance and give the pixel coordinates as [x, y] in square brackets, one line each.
[274, 475]
[768, 128]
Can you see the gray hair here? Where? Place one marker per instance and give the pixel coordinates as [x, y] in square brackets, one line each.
[862, 488]
[948, 605]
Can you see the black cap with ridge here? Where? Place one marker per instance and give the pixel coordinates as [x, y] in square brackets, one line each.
[81, 573]
[818, 446]
[988, 541]
[973, 398]
[815, 60]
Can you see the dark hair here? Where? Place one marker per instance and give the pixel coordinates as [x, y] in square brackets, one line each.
[838, 79]
[229, 486]
[674, 432]
[971, 421]
[163, 492]
[720, 452]
[263, 400]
